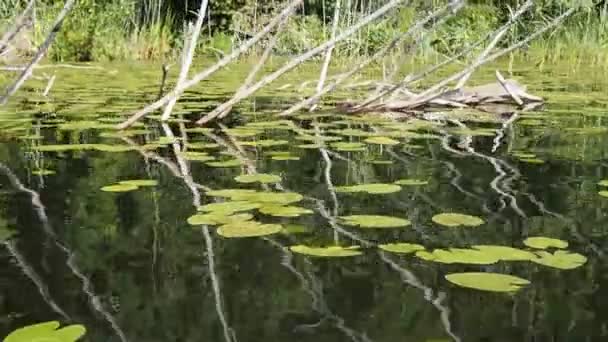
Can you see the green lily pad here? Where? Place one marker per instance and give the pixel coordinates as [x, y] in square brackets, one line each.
[374, 221]
[202, 145]
[381, 162]
[264, 143]
[167, 140]
[196, 156]
[119, 188]
[229, 207]
[248, 229]
[242, 132]
[198, 130]
[47, 332]
[506, 253]
[284, 211]
[317, 138]
[348, 146]
[140, 182]
[225, 163]
[279, 198]
[381, 141]
[43, 172]
[494, 282]
[563, 260]
[401, 247]
[456, 220]
[83, 125]
[352, 132]
[411, 182]
[541, 242]
[327, 252]
[264, 178]
[458, 256]
[373, 188]
[310, 146]
[231, 193]
[603, 193]
[217, 218]
[532, 160]
[603, 182]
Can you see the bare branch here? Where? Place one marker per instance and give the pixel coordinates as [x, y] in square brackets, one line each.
[20, 23]
[41, 52]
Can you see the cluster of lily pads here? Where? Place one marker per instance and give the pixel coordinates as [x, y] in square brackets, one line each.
[475, 255]
[129, 185]
[233, 217]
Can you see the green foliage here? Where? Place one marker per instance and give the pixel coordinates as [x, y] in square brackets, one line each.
[48, 332]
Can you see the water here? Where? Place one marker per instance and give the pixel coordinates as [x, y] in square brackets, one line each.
[129, 267]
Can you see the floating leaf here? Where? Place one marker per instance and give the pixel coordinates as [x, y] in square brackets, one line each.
[140, 182]
[229, 207]
[83, 125]
[281, 198]
[494, 282]
[348, 146]
[458, 256]
[284, 211]
[248, 229]
[401, 247]
[198, 130]
[264, 143]
[603, 193]
[381, 141]
[259, 178]
[113, 148]
[541, 242]
[43, 172]
[196, 156]
[563, 260]
[230, 193]
[327, 252]
[47, 332]
[167, 140]
[506, 253]
[381, 162]
[603, 182]
[352, 132]
[373, 188]
[120, 188]
[532, 160]
[411, 182]
[202, 145]
[456, 220]
[225, 163]
[310, 146]
[317, 138]
[374, 221]
[242, 132]
[216, 218]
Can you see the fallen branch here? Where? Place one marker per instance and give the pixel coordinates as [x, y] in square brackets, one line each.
[41, 52]
[188, 54]
[211, 70]
[299, 60]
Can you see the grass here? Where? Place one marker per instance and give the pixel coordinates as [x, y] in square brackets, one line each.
[119, 30]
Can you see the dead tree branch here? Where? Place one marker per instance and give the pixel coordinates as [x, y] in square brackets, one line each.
[211, 70]
[41, 52]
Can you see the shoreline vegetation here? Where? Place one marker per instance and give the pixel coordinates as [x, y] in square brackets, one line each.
[119, 30]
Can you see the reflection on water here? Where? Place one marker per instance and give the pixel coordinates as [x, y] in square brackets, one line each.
[321, 228]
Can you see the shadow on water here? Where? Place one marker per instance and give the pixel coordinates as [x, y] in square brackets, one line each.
[156, 260]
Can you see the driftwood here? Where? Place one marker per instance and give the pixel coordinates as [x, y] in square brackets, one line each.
[495, 97]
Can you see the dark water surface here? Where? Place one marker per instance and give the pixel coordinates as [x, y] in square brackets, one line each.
[129, 267]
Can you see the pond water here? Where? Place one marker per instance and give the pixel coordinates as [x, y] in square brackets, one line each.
[309, 251]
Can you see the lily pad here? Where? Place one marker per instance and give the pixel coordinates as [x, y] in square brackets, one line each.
[374, 221]
[456, 220]
[603, 182]
[352, 132]
[140, 182]
[563, 260]
[216, 218]
[317, 138]
[506, 253]
[541, 242]
[401, 247]
[196, 156]
[281, 198]
[532, 160]
[284, 211]
[229, 207]
[230, 193]
[264, 143]
[43, 172]
[259, 178]
[411, 182]
[248, 229]
[47, 332]
[327, 252]
[225, 163]
[494, 282]
[120, 188]
[348, 146]
[310, 146]
[458, 256]
[603, 193]
[373, 188]
[381, 141]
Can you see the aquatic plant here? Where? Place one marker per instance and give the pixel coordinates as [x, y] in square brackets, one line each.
[327, 252]
[485, 281]
[263, 178]
[457, 220]
[541, 242]
[371, 188]
[120, 188]
[458, 256]
[244, 229]
[374, 221]
[564, 260]
[47, 332]
[401, 247]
